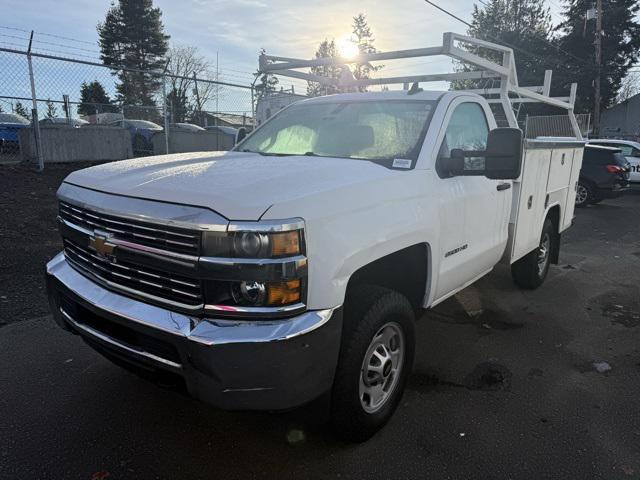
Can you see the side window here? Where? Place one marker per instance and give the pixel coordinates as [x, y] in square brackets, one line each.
[468, 130]
[627, 150]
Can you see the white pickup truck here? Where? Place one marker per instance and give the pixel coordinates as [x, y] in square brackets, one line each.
[294, 266]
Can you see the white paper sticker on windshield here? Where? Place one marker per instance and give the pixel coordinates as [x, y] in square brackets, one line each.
[401, 163]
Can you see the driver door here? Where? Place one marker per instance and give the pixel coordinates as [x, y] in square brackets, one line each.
[474, 209]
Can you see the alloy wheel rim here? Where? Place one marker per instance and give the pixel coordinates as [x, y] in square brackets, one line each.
[581, 195]
[543, 253]
[381, 367]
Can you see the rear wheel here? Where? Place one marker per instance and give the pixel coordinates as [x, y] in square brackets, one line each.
[376, 357]
[531, 270]
[584, 194]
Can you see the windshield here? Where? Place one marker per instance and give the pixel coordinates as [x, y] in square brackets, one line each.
[13, 118]
[366, 130]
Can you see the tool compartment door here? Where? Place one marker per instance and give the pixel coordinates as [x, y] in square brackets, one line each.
[529, 208]
[550, 172]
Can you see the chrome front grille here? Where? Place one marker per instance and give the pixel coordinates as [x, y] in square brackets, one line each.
[170, 239]
[153, 284]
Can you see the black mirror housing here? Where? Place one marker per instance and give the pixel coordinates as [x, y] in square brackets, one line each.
[502, 157]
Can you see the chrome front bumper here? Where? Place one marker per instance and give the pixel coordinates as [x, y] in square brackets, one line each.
[232, 364]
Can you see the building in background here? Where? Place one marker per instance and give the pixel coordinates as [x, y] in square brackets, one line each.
[228, 120]
[622, 120]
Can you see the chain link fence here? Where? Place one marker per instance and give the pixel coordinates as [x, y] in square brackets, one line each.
[58, 109]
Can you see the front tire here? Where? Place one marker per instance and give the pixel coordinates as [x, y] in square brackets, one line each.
[531, 270]
[376, 357]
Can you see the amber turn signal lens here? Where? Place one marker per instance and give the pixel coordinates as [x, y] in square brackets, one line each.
[283, 293]
[285, 243]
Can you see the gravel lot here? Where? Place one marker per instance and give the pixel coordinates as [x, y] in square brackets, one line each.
[28, 236]
[507, 384]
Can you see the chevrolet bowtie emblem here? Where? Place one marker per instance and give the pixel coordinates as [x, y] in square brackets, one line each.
[99, 242]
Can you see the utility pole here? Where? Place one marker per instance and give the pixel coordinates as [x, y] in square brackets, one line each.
[217, 91]
[598, 45]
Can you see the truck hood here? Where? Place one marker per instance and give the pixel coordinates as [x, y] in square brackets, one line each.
[239, 186]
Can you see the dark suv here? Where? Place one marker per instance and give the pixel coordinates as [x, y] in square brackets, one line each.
[604, 174]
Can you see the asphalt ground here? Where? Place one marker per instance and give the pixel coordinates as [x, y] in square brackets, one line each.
[507, 384]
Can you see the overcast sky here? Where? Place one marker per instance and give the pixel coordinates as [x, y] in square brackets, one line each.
[237, 29]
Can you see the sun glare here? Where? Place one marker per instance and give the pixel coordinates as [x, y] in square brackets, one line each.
[347, 48]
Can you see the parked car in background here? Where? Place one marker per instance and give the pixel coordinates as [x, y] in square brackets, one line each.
[63, 122]
[631, 151]
[186, 127]
[230, 133]
[142, 131]
[604, 174]
[10, 125]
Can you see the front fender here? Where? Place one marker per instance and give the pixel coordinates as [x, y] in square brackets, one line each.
[351, 227]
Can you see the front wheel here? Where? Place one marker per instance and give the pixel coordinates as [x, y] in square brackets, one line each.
[376, 357]
[531, 270]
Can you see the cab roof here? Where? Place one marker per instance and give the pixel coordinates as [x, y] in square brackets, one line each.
[429, 95]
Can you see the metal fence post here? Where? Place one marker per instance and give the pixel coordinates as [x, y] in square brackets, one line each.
[165, 111]
[34, 110]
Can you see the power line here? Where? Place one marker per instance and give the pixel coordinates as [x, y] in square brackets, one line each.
[26, 39]
[16, 29]
[519, 49]
[36, 48]
[66, 38]
[71, 47]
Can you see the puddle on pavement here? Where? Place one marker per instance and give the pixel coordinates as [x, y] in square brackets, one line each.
[621, 314]
[486, 376]
[621, 306]
[489, 376]
[485, 319]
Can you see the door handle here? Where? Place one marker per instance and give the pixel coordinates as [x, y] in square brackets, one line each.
[503, 186]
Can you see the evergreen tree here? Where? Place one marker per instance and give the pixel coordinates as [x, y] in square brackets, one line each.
[267, 82]
[132, 37]
[94, 99]
[525, 26]
[620, 48]
[179, 105]
[326, 49]
[52, 111]
[364, 41]
[21, 110]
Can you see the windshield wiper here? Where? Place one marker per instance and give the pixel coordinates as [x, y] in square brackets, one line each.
[267, 154]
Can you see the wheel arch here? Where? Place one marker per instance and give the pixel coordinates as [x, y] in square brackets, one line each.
[554, 213]
[406, 271]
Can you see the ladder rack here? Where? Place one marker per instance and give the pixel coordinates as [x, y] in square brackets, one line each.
[508, 93]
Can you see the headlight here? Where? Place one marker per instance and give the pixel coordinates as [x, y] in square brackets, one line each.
[253, 244]
[255, 268]
[266, 294]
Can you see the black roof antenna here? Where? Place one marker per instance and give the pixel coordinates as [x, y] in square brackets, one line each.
[415, 88]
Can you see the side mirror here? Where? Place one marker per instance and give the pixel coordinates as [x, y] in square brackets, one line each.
[242, 133]
[502, 157]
